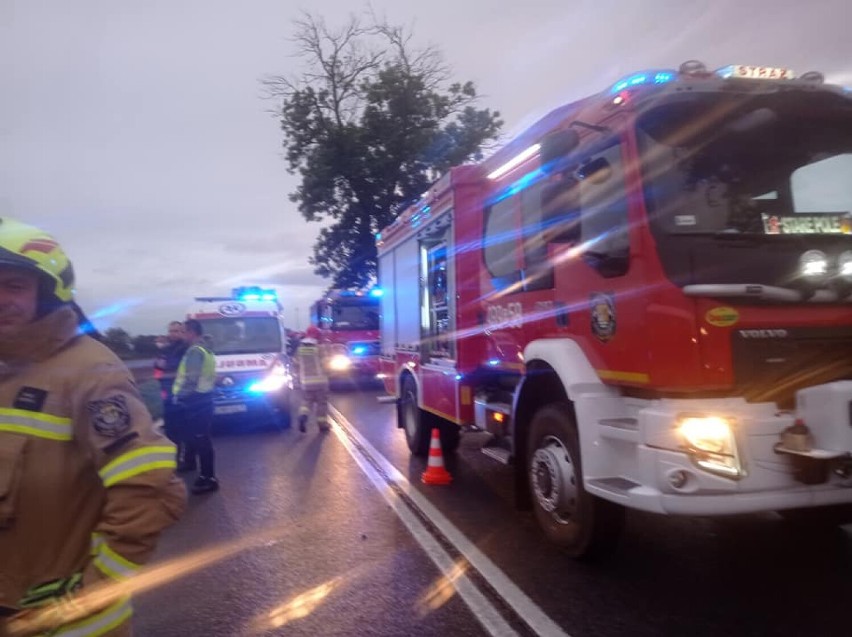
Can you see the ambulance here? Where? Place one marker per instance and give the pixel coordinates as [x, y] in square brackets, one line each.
[247, 335]
[643, 301]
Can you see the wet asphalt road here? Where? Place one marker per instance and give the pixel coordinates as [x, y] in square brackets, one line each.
[748, 575]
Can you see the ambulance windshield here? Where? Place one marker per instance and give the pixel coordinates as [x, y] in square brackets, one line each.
[243, 335]
[757, 164]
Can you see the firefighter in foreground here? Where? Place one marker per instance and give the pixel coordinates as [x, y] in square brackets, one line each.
[311, 381]
[86, 484]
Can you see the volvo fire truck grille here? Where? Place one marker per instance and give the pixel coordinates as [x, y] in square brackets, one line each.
[772, 364]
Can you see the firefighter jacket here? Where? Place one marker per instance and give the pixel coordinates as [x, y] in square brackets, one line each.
[86, 483]
[196, 373]
[308, 366]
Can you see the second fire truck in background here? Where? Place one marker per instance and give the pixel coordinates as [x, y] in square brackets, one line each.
[348, 321]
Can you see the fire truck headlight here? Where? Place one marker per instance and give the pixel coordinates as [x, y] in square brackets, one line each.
[844, 266]
[711, 443]
[813, 265]
[339, 363]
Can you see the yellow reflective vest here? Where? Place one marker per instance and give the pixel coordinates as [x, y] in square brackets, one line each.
[194, 381]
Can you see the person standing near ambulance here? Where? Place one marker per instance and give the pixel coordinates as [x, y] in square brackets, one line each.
[193, 392]
[311, 381]
[165, 371]
[86, 483]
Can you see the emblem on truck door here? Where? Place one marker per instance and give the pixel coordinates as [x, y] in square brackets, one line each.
[603, 316]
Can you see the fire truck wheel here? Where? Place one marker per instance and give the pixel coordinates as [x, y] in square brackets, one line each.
[450, 436]
[415, 422]
[585, 526]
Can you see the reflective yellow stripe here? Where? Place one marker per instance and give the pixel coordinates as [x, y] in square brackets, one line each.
[628, 377]
[99, 623]
[111, 563]
[29, 423]
[138, 461]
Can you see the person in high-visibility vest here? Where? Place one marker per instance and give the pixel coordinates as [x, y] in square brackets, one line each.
[193, 390]
[311, 380]
[86, 482]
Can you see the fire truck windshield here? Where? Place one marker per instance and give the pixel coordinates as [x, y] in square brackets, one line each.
[743, 171]
[243, 335]
[355, 316]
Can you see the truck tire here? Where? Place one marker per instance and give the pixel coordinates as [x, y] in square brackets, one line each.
[450, 436]
[584, 526]
[416, 423]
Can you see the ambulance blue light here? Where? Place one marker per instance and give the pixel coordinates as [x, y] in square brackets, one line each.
[359, 350]
[377, 292]
[268, 296]
[250, 297]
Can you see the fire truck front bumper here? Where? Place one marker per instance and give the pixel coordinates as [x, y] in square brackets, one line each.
[727, 456]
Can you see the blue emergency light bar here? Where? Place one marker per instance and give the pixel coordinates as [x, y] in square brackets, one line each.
[254, 293]
[645, 77]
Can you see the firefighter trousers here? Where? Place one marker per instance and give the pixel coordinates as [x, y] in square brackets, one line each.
[315, 399]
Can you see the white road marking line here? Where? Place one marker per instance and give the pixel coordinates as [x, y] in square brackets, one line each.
[479, 605]
[525, 608]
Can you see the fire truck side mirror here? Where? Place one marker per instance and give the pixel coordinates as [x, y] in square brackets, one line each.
[556, 146]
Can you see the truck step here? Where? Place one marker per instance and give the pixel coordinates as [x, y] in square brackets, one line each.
[614, 485]
[620, 429]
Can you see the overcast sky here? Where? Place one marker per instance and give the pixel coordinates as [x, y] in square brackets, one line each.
[135, 132]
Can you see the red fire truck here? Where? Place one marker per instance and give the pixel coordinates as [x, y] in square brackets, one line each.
[348, 321]
[645, 298]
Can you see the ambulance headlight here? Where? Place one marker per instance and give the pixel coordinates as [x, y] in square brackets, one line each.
[339, 363]
[271, 383]
[711, 443]
[275, 380]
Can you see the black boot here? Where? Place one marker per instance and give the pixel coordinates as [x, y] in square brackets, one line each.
[303, 423]
[203, 485]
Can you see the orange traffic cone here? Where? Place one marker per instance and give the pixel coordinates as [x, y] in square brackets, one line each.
[435, 472]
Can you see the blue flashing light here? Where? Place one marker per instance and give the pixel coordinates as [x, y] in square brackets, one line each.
[459, 376]
[646, 77]
[359, 350]
[254, 293]
[378, 236]
[377, 292]
[493, 362]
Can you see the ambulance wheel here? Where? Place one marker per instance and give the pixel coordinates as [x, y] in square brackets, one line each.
[415, 422]
[584, 526]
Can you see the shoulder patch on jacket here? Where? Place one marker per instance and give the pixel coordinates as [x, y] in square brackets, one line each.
[30, 399]
[110, 417]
